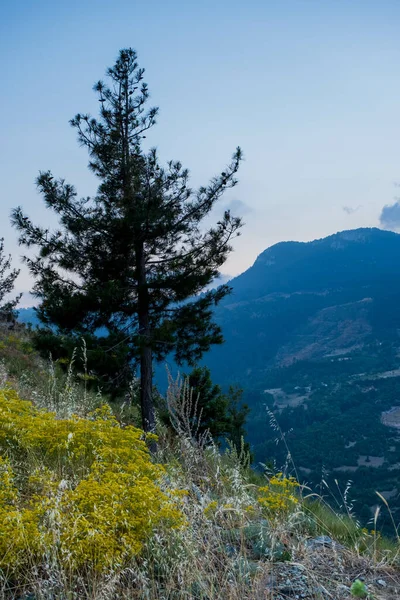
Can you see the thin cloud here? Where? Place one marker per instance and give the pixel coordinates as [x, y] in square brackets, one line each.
[349, 210]
[390, 216]
[220, 280]
[238, 207]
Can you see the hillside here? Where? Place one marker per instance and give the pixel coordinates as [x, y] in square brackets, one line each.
[311, 334]
[306, 300]
[88, 512]
[27, 316]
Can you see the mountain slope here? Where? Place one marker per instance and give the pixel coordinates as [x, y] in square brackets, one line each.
[28, 316]
[278, 313]
[311, 334]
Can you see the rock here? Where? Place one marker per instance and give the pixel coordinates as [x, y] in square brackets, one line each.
[323, 541]
[381, 583]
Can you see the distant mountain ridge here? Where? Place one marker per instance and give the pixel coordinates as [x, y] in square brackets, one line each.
[295, 266]
[282, 301]
[312, 336]
[27, 315]
[303, 299]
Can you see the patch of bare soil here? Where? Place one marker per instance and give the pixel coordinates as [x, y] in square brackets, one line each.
[283, 400]
[370, 461]
[391, 418]
[345, 468]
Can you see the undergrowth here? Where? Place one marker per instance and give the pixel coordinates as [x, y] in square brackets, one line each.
[87, 512]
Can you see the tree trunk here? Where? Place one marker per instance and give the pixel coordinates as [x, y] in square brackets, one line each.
[146, 381]
[146, 354]
[146, 388]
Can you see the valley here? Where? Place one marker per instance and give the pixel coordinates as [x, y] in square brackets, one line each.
[312, 336]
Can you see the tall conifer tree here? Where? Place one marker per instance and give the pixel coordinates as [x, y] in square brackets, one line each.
[7, 280]
[134, 259]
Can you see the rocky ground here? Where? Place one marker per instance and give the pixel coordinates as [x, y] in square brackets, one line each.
[326, 570]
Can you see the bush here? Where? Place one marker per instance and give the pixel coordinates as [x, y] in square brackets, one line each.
[83, 492]
[279, 496]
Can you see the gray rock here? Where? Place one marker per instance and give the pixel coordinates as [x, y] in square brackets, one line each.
[323, 541]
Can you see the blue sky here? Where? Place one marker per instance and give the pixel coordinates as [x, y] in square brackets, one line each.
[310, 89]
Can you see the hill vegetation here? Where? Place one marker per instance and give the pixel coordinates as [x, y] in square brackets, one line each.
[88, 512]
[110, 489]
[312, 337]
[129, 269]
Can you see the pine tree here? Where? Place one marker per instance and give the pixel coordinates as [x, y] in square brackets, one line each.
[7, 280]
[223, 415]
[134, 259]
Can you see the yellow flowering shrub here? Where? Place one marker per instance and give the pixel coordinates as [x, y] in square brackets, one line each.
[19, 532]
[279, 496]
[210, 509]
[85, 489]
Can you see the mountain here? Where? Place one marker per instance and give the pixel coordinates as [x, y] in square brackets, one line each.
[312, 335]
[28, 316]
[305, 300]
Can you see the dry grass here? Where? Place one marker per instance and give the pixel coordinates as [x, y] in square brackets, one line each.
[233, 547]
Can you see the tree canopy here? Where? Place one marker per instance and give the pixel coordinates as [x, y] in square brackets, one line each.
[222, 414]
[129, 269]
[7, 280]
